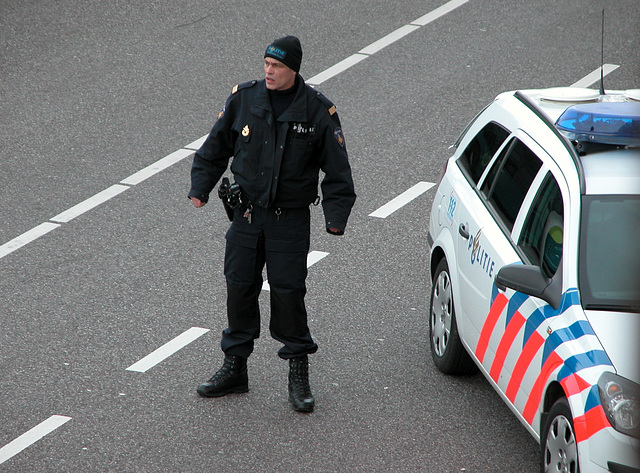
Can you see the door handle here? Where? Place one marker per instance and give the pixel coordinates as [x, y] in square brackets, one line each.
[464, 233]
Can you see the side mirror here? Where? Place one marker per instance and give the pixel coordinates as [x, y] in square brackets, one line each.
[530, 280]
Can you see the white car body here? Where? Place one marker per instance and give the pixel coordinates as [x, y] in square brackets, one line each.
[532, 353]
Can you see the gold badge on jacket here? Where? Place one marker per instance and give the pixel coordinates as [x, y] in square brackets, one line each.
[245, 131]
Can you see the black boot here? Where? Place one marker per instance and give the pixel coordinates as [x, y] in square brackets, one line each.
[230, 378]
[299, 391]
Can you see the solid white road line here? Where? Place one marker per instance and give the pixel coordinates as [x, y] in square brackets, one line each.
[31, 437]
[195, 145]
[384, 42]
[27, 237]
[90, 203]
[97, 199]
[389, 39]
[168, 349]
[438, 12]
[336, 69]
[594, 76]
[182, 153]
[312, 258]
[402, 200]
[156, 167]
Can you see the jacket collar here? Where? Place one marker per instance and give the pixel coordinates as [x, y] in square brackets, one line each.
[297, 111]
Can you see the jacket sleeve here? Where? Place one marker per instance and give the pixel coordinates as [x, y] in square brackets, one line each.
[211, 160]
[338, 194]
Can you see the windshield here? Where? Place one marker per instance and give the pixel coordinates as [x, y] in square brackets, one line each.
[609, 273]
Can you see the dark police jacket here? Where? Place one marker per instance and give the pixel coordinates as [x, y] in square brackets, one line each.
[277, 162]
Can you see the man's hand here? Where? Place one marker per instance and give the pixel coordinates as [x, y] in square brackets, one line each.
[197, 202]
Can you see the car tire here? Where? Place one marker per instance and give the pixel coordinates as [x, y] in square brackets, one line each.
[558, 447]
[447, 351]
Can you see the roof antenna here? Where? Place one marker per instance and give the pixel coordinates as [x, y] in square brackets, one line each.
[602, 58]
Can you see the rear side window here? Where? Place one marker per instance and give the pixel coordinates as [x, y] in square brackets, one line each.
[477, 155]
[541, 238]
[509, 180]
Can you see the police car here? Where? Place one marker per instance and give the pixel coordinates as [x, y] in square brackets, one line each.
[535, 264]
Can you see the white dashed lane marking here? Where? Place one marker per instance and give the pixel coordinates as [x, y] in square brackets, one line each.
[402, 200]
[32, 436]
[168, 349]
[594, 76]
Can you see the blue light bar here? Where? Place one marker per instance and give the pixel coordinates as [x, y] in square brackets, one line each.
[615, 123]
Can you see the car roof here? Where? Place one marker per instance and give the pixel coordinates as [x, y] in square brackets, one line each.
[602, 168]
[554, 101]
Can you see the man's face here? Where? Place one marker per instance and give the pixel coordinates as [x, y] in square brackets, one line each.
[277, 75]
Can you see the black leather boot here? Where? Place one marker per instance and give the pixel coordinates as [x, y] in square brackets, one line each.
[230, 378]
[299, 391]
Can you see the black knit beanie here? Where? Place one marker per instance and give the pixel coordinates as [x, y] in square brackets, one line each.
[287, 50]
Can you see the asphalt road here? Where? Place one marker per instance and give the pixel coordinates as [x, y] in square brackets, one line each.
[92, 92]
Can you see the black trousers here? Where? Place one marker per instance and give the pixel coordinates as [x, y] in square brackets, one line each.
[279, 239]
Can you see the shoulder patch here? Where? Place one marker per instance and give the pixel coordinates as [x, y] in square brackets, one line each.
[244, 85]
[337, 134]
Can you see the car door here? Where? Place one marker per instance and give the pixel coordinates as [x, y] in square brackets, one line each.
[464, 202]
[529, 329]
[485, 243]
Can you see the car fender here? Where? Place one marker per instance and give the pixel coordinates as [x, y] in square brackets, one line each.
[580, 360]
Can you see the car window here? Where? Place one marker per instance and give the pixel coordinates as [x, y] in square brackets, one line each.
[541, 237]
[509, 180]
[481, 149]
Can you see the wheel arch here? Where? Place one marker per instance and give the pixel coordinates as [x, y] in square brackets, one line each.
[443, 247]
[553, 393]
[437, 255]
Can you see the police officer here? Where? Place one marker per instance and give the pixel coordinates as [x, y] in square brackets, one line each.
[280, 133]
